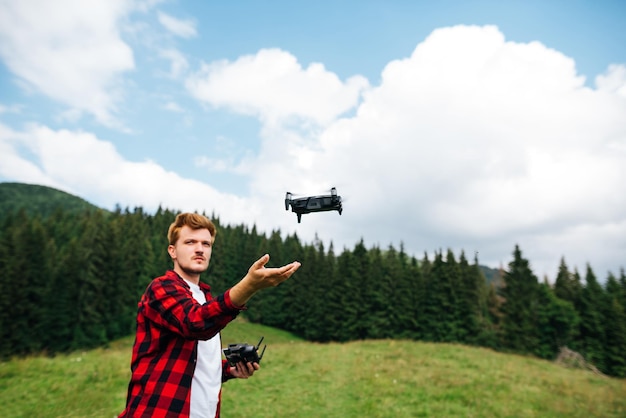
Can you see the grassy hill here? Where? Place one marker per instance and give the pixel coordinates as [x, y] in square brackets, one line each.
[37, 199]
[360, 379]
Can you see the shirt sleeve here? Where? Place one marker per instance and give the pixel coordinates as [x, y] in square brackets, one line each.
[226, 374]
[169, 304]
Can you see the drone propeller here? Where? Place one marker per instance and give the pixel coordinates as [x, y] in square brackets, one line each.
[295, 194]
[323, 191]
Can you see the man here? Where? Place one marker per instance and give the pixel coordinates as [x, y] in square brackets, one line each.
[177, 367]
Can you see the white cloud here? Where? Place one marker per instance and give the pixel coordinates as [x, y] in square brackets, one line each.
[173, 107]
[11, 108]
[178, 62]
[614, 80]
[16, 167]
[273, 86]
[184, 28]
[80, 163]
[473, 143]
[70, 51]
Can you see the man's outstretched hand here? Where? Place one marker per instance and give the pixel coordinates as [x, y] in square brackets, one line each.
[260, 277]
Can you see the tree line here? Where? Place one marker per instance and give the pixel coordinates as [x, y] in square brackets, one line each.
[72, 281]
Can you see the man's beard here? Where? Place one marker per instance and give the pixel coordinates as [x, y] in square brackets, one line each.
[193, 271]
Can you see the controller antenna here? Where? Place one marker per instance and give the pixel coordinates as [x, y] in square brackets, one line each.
[264, 347]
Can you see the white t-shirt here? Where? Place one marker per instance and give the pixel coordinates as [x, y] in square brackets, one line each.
[207, 379]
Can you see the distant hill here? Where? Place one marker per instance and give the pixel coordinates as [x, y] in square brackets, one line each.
[36, 199]
[492, 275]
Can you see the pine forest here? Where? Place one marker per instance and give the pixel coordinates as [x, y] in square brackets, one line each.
[72, 279]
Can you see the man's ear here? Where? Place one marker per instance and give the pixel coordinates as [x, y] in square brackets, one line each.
[171, 250]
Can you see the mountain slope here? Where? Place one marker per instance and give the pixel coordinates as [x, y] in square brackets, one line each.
[36, 199]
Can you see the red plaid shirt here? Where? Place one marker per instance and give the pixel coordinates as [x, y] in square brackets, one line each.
[169, 324]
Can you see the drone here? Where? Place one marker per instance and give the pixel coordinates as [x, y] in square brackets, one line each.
[302, 205]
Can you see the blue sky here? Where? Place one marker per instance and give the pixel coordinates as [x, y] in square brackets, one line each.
[469, 125]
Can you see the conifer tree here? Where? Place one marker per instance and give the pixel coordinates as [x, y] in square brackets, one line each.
[220, 269]
[615, 359]
[404, 288]
[622, 285]
[472, 287]
[490, 331]
[130, 266]
[59, 305]
[158, 225]
[452, 302]
[8, 280]
[424, 318]
[298, 293]
[268, 307]
[440, 315]
[58, 321]
[520, 305]
[567, 285]
[28, 316]
[592, 336]
[615, 329]
[416, 298]
[229, 262]
[312, 289]
[557, 322]
[612, 288]
[351, 297]
[89, 274]
[562, 284]
[376, 286]
[359, 275]
[332, 314]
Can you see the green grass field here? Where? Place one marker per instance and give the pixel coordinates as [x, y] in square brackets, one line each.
[299, 379]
